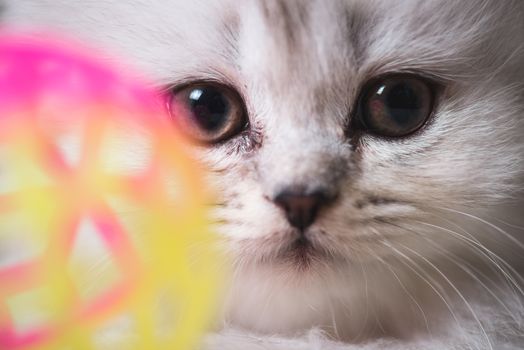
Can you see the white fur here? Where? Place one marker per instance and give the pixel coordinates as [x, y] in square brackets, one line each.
[437, 270]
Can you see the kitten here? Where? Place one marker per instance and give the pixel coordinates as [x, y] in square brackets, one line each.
[368, 156]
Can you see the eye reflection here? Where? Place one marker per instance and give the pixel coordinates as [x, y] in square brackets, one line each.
[208, 113]
[395, 106]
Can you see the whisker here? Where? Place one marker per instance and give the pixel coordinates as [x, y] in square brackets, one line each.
[333, 318]
[495, 227]
[495, 259]
[468, 268]
[413, 266]
[518, 227]
[452, 285]
[366, 291]
[408, 293]
[472, 243]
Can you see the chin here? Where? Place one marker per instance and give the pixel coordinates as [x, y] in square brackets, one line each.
[288, 282]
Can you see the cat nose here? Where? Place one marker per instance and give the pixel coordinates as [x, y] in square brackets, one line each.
[301, 208]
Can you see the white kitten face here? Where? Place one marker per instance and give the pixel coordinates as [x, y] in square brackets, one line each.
[299, 70]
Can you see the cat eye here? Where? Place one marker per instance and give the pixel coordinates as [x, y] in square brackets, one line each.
[395, 106]
[207, 112]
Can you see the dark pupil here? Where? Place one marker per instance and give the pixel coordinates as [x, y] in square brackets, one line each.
[403, 104]
[210, 108]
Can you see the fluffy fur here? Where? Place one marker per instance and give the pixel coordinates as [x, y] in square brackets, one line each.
[422, 249]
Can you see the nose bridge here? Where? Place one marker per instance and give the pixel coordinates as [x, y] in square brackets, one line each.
[308, 158]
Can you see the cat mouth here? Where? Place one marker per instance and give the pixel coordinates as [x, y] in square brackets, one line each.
[301, 253]
[287, 249]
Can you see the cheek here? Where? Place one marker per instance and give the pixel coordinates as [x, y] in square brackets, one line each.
[240, 208]
[431, 169]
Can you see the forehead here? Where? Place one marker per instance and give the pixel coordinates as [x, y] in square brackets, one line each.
[398, 35]
[319, 39]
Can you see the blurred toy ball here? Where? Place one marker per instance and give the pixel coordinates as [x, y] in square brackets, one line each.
[102, 221]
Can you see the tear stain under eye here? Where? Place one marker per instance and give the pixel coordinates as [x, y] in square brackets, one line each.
[246, 143]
